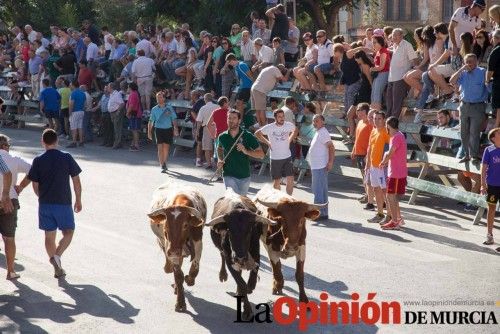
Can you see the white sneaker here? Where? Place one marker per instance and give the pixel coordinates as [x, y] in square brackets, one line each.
[430, 98]
[418, 117]
[198, 163]
[489, 240]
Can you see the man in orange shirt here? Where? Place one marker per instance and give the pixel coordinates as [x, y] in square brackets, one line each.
[358, 155]
[377, 175]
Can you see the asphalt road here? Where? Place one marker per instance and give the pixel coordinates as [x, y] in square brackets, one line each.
[115, 281]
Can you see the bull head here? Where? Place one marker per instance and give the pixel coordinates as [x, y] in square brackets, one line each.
[274, 205]
[158, 215]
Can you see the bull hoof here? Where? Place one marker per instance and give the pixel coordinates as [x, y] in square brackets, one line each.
[303, 299]
[277, 292]
[223, 276]
[180, 307]
[247, 315]
[189, 280]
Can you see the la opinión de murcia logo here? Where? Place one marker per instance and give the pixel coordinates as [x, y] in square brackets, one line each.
[368, 312]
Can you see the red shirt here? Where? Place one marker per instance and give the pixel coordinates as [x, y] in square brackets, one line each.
[25, 53]
[135, 102]
[85, 77]
[387, 59]
[219, 117]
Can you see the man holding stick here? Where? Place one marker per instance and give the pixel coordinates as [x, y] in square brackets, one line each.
[235, 147]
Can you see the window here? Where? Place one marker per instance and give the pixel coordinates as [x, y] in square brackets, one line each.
[402, 10]
[447, 10]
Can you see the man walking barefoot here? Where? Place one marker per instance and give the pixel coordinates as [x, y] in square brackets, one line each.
[51, 185]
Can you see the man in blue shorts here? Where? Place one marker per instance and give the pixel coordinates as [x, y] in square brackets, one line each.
[50, 175]
[50, 103]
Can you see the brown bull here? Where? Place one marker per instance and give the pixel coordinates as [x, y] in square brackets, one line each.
[288, 237]
[177, 216]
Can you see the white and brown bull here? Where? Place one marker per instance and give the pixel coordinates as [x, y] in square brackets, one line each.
[235, 230]
[177, 216]
[288, 237]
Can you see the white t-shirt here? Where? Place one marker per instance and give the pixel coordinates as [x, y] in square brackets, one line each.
[278, 136]
[325, 52]
[107, 45]
[401, 61]
[143, 67]
[289, 115]
[267, 79]
[265, 54]
[146, 46]
[247, 50]
[465, 22]
[16, 166]
[92, 52]
[309, 52]
[318, 151]
[205, 112]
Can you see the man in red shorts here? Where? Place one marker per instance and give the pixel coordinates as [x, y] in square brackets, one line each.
[397, 172]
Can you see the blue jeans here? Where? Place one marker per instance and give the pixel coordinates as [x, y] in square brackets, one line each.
[87, 126]
[320, 188]
[427, 89]
[240, 186]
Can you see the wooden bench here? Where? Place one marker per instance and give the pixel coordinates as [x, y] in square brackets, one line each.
[186, 136]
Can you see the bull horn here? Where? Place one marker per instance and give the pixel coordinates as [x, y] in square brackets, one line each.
[194, 212]
[156, 213]
[264, 220]
[316, 206]
[273, 205]
[215, 221]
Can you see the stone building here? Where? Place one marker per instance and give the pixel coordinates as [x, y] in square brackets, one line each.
[407, 14]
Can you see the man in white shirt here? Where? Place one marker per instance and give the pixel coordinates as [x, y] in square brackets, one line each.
[280, 135]
[247, 49]
[146, 46]
[265, 83]
[325, 53]
[92, 50]
[108, 41]
[8, 220]
[465, 19]
[403, 57]
[115, 109]
[30, 32]
[320, 156]
[203, 135]
[264, 55]
[143, 74]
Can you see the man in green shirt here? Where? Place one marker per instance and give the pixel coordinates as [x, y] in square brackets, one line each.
[235, 163]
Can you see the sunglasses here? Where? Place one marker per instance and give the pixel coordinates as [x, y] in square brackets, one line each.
[307, 39]
[224, 43]
[177, 36]
[214, 41]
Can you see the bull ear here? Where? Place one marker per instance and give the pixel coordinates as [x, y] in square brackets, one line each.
[196, 222]
[312, 214]
[273, 213]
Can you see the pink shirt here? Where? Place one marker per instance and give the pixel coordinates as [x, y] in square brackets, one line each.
[135, 102]
[397, 165]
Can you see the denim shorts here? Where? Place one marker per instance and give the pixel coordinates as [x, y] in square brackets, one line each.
[240, 186]
[55, 216]
[378, 86]
[324, 68]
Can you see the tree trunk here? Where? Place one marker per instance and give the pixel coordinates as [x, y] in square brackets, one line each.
[317, 14]
[332, 25]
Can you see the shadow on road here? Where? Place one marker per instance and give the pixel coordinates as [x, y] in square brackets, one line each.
[95, 302]
[3, 264]
[26, 305]
[359, 228]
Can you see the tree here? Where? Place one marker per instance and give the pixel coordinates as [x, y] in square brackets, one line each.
[324, 13]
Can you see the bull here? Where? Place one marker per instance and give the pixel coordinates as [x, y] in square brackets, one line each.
[288, 237]
[177, 216]
[235, 230]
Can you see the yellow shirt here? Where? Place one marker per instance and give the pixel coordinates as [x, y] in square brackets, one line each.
[65, 92]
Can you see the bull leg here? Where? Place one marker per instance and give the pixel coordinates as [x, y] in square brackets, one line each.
[195, 265]
[241, 290]
[169, 266]
[255, 254]
[180, 305]
[278, 280]
[222, 271]
[299, 274]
